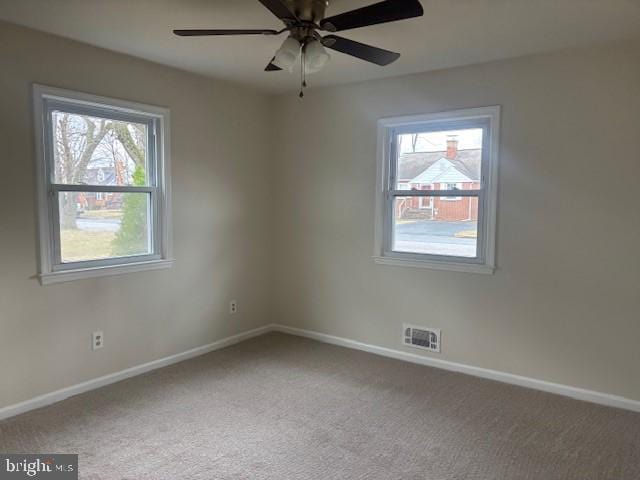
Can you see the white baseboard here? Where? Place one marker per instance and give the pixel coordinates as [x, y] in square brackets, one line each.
[565, 390]
[58, 395]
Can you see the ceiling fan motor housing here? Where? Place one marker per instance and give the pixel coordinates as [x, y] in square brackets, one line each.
[309, 10]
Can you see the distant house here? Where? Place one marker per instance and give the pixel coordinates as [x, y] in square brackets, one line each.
[101, 172]
[452, 169]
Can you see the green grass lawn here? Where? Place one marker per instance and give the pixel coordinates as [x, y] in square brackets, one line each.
[78, 245]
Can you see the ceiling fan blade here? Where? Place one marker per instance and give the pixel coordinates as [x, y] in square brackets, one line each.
[382, 12]
[200, 33]
[272, 67]
[360, 50]
[280, 9]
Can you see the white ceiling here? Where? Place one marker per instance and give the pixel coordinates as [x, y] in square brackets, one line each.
[452, 33]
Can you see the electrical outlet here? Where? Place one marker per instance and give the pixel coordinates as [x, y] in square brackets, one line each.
[233, 307]
[97, 340]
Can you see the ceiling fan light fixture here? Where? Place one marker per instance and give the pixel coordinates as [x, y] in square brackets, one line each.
[288, 54]
[315, 57]
[304, 20]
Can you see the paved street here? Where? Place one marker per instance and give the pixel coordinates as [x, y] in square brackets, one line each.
[429, 236]
[98, 224]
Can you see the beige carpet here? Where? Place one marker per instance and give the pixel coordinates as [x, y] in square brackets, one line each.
[281, 407]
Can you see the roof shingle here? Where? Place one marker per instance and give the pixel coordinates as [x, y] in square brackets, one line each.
[468, 162]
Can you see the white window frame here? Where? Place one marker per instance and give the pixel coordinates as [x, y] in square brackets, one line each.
[388, 130]
[50, 267]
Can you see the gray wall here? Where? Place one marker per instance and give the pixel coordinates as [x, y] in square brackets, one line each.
[564, 304]
[219, 142]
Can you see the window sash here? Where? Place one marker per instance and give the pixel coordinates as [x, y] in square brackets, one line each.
[389, 229]
[395, 132]
[56, 237]
[391, 192]
[54, 189]
[64, 187]
[51, 105]
[105, 262]
[435, 193]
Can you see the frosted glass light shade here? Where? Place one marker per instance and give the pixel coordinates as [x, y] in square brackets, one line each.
[315, 57]
[288, 54]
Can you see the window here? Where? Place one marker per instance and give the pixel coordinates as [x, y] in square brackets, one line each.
[446, 220]
[451, 186]
[103, 186]
[426, 202]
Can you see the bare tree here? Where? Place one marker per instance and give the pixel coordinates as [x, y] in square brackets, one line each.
[414, 141]
[132, 136]
[77, 138]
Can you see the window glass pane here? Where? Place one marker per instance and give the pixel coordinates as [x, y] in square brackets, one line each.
[436, 226]
[96, 151]
[448, 159]
[99, 225]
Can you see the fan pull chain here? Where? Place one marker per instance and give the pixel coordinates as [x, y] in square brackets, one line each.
[303, 73]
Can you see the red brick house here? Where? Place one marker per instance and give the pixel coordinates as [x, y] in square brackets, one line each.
[450, 170]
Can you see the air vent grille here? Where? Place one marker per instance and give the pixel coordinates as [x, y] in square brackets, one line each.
[421, 337]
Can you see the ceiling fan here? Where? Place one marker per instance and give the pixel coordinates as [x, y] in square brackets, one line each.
[303, 19]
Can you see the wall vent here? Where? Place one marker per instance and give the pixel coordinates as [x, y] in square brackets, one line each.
[421, 337]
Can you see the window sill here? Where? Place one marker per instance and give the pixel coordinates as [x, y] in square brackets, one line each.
[436, 265]
[70, 275]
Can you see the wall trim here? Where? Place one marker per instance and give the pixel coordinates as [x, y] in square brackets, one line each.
[58, 395]
[51, 269]
[550, 387]
[556, 388]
